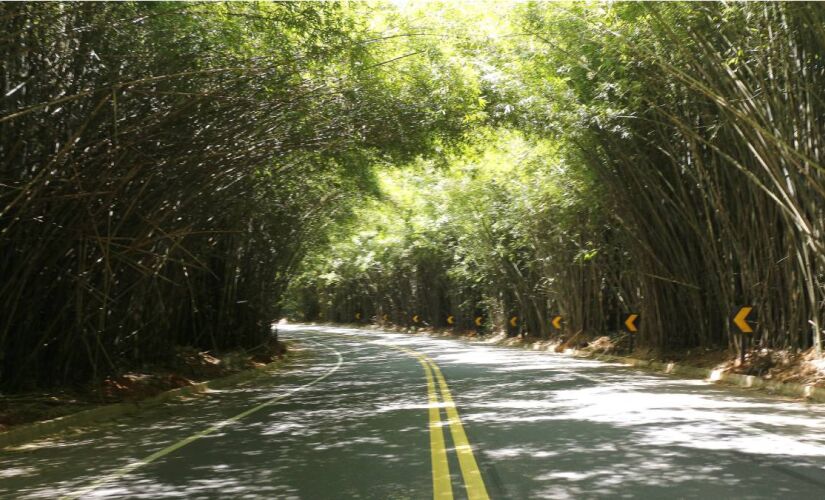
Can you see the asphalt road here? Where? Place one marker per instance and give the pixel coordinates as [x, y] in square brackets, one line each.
[364, 414]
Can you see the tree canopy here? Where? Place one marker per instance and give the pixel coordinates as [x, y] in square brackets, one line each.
[186, 173]
[662, 159]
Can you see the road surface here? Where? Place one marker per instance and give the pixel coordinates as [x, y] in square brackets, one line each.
[366, 414]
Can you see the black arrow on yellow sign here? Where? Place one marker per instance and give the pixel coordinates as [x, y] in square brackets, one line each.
[415, 318]
[740, 319]
[514, 321]
[451, 320]
[556, 322]
[358, 316]
[478, 320]
[630, 323]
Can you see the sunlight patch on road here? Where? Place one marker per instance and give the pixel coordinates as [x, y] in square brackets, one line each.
[516, 452]
[17, 471]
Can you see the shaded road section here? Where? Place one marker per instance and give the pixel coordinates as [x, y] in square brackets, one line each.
[538, 425]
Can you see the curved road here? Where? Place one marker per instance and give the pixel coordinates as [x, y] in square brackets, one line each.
[365, 414]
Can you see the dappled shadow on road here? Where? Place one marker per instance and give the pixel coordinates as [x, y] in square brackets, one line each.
[543, 425]
[359, 431]
[572, 428]
[552, 426]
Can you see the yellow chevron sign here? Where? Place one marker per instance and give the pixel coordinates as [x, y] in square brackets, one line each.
[386, 317]
[478, 320]
[514, 321]
[740, 319]
[451, 320]
[556, 322]
[358, 316]
[630, 323]
[415, 318]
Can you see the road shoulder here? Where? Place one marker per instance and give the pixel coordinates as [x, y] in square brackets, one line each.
[75, 422]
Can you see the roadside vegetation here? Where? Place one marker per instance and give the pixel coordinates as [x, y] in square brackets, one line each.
[165, 166]
[659, 159]
[183, 174]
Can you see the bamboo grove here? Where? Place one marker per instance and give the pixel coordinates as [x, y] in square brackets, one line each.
[183, 174]
[164, 167]
[659, 158]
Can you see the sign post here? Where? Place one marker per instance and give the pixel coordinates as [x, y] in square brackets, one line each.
[631, 325]
[742, 323]
[513, 326]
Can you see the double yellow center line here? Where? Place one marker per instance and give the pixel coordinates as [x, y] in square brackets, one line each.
[442, 485]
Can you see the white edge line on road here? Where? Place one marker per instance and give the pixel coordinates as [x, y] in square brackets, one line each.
[183, 442]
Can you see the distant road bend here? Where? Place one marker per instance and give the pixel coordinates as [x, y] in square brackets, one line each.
[366, 414]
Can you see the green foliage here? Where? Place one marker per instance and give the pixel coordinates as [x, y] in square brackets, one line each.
[168, 171]
[670, 165]
[689, 116]
[498, 228]
[165, 166]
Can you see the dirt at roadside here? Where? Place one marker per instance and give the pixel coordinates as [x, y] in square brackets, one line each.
[189, 366]
[769, 364]
[782, 366]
